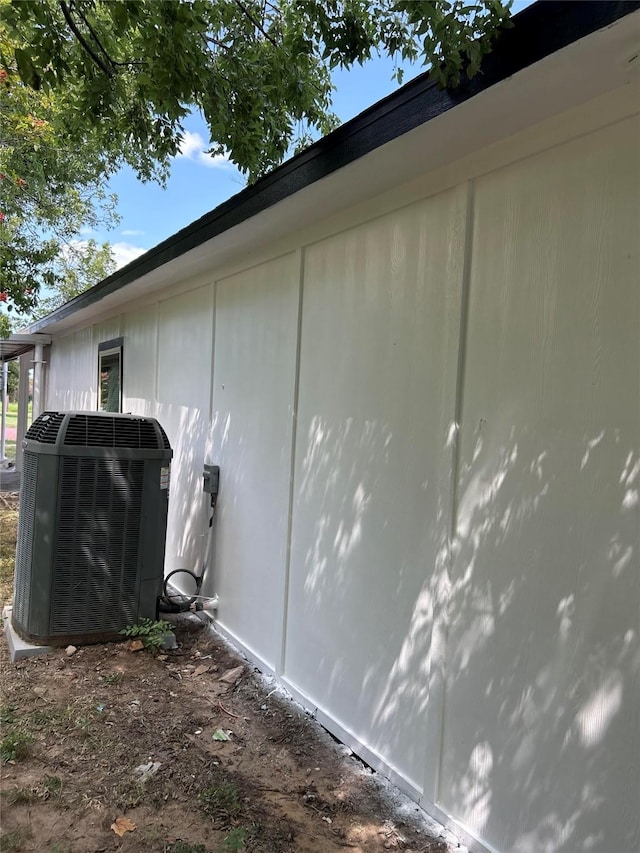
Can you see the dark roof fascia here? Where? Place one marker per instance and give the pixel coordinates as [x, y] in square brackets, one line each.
[538, 31]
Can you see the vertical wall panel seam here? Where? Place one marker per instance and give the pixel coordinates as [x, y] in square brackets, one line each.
[294, 428]
[214, 296]
[455, 464]
[157, 386]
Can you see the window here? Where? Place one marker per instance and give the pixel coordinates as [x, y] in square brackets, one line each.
[110, 376]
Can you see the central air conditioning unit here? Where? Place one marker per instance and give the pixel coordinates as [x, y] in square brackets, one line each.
[92, 526]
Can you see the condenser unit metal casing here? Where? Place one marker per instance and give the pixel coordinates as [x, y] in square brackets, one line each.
[92, 526]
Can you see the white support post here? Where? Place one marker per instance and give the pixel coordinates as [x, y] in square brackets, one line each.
[38, 381]
[3, 419]
[23, 408]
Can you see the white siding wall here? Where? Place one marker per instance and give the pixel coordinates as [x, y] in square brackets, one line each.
[380, 327]
[543, 644]
[255, 361]
[72, 372]
[140, 362]
[497, 680]
[185, 345]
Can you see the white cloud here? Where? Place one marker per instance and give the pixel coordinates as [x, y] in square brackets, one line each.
[131, 232]
[124, 253]
[193, 148]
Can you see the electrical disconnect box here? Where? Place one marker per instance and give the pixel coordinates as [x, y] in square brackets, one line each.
[211, 475]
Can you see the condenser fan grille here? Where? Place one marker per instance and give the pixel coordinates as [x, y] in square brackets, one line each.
[98, 541]
[97, 431]
[46, 428]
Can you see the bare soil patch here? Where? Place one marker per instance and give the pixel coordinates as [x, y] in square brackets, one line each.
[110, 739]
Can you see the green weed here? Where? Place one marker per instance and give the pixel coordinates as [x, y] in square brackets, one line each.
[220, 801]
[236, 839]
[11, 842]
[50, 787]
[151, 633]
[15, 746]
[7, 715]
[20, 796]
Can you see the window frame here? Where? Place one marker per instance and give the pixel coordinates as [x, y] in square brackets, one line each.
[112, 347]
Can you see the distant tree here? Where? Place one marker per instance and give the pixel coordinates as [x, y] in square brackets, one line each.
[51, 189]
[80, 265]
[13, 377]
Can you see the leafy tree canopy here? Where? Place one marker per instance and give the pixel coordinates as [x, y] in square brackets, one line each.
[132, 70]
[88, 85]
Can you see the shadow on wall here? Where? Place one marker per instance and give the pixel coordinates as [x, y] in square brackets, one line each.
[541, 747]
[187, 530]
[541, 738]
[370, 547]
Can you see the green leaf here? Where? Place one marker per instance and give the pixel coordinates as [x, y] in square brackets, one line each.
[26, 69]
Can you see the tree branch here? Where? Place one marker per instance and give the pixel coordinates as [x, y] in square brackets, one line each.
[96, 39]
[112, 62]
[255, 23]
[86, 47]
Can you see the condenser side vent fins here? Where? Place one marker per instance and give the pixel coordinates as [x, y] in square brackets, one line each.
[24, 550]
[45, 429]
[98, 542]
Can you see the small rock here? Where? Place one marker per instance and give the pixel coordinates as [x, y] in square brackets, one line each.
[163, 657]
[169, 641]
[232, 675]
[40, 691]
[70, 650]
[146, 771]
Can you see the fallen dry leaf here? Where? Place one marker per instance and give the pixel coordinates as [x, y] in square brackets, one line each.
[200, 670]
[122, 825]
[136, 646]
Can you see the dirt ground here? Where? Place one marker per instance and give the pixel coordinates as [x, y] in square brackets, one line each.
[110, 740]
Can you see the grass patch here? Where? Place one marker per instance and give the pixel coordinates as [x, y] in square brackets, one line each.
[7, 715]
[11, 842]
[15, 746]
[221, 802]
[113, 679]
[236, 839]
[8, 534]
[49, 789]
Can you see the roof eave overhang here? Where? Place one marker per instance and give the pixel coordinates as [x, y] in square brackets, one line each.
[19, 344]
[539, 32]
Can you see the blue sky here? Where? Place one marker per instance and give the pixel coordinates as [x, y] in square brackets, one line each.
[198, 183]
